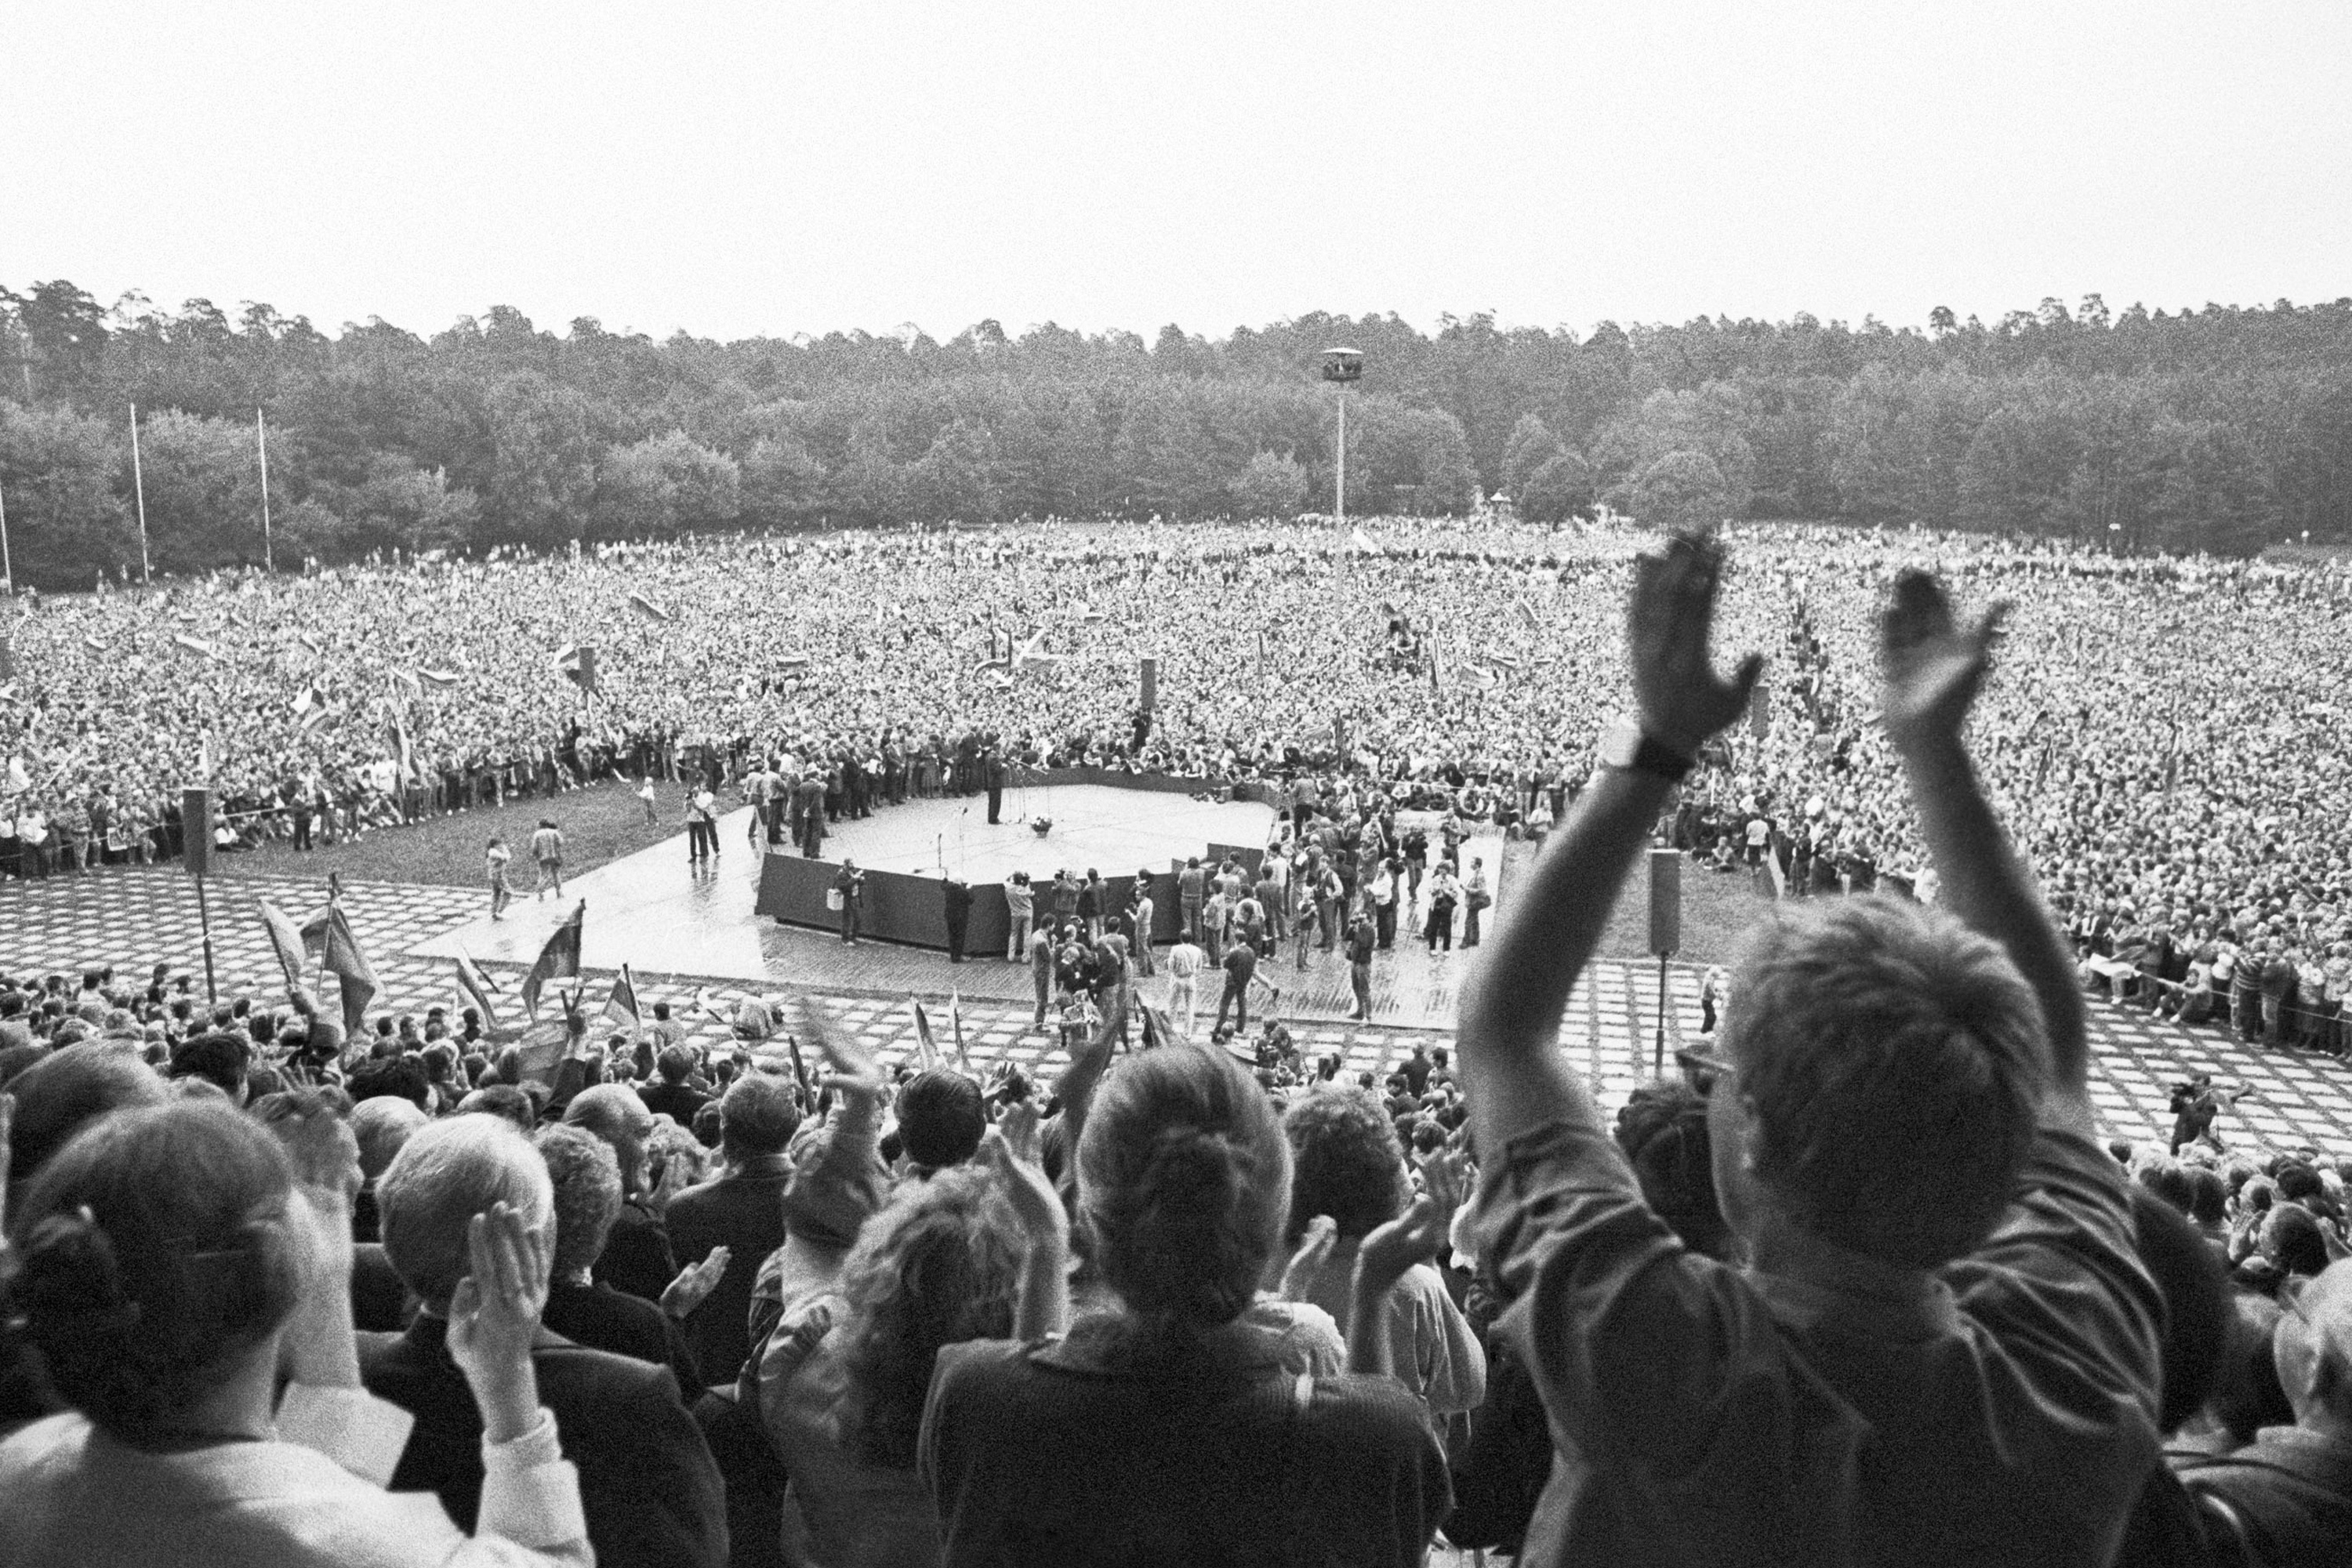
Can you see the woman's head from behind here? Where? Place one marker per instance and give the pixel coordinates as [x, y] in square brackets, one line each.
[941, 1265]
[156, 1254]
[1183, 1184]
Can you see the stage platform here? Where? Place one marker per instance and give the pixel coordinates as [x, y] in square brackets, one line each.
[1114, 831]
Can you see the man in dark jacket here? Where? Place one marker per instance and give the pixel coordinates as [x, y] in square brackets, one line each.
[743, 1211]
[957, 895]
[648, 1487]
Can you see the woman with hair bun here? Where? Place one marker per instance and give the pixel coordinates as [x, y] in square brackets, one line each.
[168, 1269]
[1168, 1427]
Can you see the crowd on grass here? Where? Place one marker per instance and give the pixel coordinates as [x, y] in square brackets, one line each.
[1863, 1285]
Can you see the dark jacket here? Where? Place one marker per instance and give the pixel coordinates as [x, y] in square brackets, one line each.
[636, 1257]
[603, 1318]
[647, 1483]
[745, 1212]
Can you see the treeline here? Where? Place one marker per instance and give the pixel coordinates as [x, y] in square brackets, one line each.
[2218, 428]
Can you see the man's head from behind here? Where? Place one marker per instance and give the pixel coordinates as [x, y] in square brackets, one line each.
[445, 1174]
[757, 1117]
[1886, 1067]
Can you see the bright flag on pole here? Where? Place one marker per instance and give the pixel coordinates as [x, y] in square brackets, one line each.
[475, 986]
[648, 608]
[1527, 612]
[927, 1049]
[440, 677]
[621, 1007]
[559, 960]
[195, 644]
[955, 1030]
[286, 938]
[1363, 542]
[330, 931]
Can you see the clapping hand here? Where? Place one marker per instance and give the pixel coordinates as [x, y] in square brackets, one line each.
[1418, 1235]
[493, 1317]
[695, 1282]
[1933, 667]
[1668, 627]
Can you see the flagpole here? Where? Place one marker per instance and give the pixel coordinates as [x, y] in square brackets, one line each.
[261, 441]
[138, 490]
[7, 570]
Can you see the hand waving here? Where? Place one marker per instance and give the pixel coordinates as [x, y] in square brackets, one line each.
[1681, 700]
[1933, 667]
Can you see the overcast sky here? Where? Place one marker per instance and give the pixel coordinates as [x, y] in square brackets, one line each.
[781, 168]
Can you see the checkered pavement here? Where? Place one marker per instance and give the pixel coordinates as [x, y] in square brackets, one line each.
[135, 918]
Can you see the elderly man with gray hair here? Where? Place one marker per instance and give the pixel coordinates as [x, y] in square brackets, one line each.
[651, 1491]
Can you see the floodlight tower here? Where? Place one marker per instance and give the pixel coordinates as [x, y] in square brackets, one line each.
[1342, 367]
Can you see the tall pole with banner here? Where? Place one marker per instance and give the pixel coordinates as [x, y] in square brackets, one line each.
[261, 443]
[1342, 368]
[139, 492]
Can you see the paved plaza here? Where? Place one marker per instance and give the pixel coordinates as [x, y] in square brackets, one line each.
[135, 918]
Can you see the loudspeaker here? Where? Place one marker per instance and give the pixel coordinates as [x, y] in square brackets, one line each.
[1665, 902]
[197, 829]
[1149, 673]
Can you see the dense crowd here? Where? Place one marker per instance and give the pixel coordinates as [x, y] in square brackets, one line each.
[1859, 1286]
[2161, 734]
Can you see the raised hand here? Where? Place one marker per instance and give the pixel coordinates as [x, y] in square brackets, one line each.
[695, 1282]
[493, 1317]
[1668, 628]
[1314, 1250]
[1418, 1235]
[1012, 1150]
[1932, 666]
[855, 1070]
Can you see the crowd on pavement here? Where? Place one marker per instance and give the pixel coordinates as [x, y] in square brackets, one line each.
[1860, 1285]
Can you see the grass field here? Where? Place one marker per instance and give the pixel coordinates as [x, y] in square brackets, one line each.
[1716, 909]
[601, 822]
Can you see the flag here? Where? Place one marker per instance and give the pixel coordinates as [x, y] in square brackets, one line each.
[1502, 660]
[926, 1050]
[193, 644]
[1480, 677]
[309, 705]
[93, 645]
[286, 937]
[955, 1030]
[330, 931]
[1031, 658]
[440, 677]
[559, 960]
[1363, 542]
[621, 1007]
[396, 731]
[1261, 653]
[648, 609]
[1527, 612]
[307, 640]
[475, 986]
[578, 665]
[800, 1068]
[1436, 677]
[408, 678]
[19, 780]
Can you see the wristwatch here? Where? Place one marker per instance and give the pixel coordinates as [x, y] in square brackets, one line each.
[1625, 745]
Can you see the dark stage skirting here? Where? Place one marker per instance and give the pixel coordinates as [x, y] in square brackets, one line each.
[913, 910]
